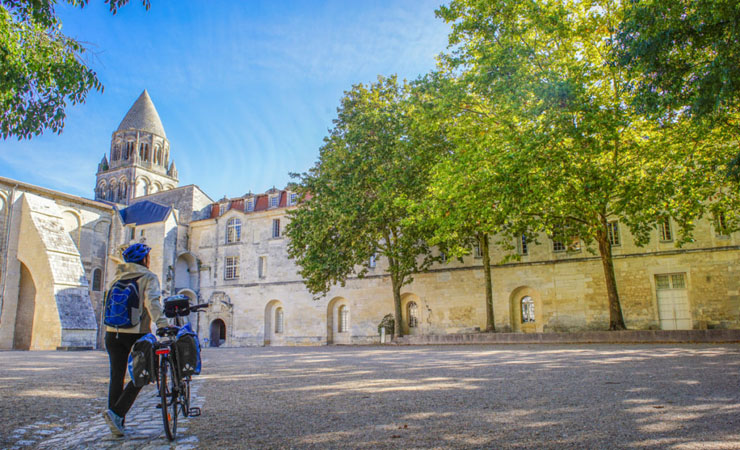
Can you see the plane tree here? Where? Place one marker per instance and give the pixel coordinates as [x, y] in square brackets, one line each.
[355, 197]
[562, 147]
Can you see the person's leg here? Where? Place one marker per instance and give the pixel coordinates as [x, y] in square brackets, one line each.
[126, 400]
[118, 357]
[126, 395]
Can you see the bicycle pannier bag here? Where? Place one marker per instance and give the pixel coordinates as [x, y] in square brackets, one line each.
[122, 306]
[187, 351]
[141, 367]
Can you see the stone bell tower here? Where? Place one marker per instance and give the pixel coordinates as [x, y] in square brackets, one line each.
[139, 160]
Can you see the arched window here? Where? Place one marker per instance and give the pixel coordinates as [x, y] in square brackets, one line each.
[233, 230]
[97, 280]
[122, 190]
[527, 309]
[279, 320]
[413, 314]
[343, 319]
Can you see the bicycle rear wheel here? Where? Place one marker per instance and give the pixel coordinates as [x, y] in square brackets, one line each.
[169, 397]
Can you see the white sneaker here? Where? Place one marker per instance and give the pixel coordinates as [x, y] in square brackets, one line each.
[115, 423]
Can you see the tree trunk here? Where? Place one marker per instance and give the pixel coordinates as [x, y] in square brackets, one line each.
[490, 323]
[397, 328]
[616, 321]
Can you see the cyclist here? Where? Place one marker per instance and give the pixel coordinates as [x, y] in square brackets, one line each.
[118, 341]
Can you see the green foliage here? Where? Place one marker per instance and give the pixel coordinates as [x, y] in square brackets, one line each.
[388, 322]
[687, 53]
[41, 69]
[552, 143]
[355, 196]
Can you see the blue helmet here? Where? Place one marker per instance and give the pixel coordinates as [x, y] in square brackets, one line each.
[136, 252]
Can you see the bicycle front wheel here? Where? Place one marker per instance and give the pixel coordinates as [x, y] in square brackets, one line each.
[169, 397]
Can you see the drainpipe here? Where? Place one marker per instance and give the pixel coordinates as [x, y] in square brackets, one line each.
[8, 224]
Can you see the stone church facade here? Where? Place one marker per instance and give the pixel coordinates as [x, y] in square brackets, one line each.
[58, 251]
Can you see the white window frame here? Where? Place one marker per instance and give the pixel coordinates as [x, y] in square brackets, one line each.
[343, 325]
[275, 228]
[665, 231]
[372, 262]
[292, 199]
[273, 201]
[233, 230]
[231, 268]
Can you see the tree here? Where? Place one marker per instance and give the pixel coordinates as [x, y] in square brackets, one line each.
[687, 53]
[41, 69]
[458, 209]
[354, 197]
[569, 154]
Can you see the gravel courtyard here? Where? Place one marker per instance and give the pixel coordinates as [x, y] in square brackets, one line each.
[537, 396]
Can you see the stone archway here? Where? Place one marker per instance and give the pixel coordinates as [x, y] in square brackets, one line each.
[411, 311]
[525, 310]
[274, 323]
[338, 321]
[186, 271]
[217, 335]
[26, 311]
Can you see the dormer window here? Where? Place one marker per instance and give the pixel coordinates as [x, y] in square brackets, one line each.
[292, 199]
[249, 204]
[274, 201]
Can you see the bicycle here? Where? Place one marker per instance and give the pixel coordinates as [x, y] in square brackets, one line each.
[173, 388]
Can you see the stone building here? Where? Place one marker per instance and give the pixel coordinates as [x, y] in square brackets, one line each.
[58, 251]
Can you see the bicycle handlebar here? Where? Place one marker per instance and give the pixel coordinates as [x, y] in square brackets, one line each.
[199, 306]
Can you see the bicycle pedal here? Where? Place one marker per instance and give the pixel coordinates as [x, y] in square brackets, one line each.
[194, 411]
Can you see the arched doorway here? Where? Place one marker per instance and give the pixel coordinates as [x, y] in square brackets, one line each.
[525, 310]
[218, 333]
[274, 323]
[338, 321]
[186, 271]
[411, 312]
[25, 312]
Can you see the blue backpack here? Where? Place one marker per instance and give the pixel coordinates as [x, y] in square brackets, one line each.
[122, 305]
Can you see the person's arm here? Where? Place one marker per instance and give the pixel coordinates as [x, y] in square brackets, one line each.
[152, 304]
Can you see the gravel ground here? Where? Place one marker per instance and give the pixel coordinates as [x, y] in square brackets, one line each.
[538, 396]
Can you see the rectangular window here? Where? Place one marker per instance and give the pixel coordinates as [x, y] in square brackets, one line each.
[231, 271]
[275, 228]
[522, 245]
[612, 231]
[292, 199]
[670, 281]
[274, 201]
[249, 205]
[664, 230]
[557, 246]
[720, 225]
[477, 251]
[443, 257]
[141, 233]
[133, 233]
[233, 231]
[372, 262]
[262, 267]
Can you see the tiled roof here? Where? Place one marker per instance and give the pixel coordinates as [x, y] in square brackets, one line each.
[143, 116]
[144, 212]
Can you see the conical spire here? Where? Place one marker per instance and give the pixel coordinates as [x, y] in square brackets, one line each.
[143, 116]
[172, 170]
[103, 165]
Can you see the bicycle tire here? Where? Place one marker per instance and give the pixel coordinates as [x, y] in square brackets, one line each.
[169, 397]
[185, 396]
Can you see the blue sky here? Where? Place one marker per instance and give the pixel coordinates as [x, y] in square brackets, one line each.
[246, 90]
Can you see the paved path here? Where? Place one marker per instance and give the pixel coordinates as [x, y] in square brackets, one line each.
[527, 396]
